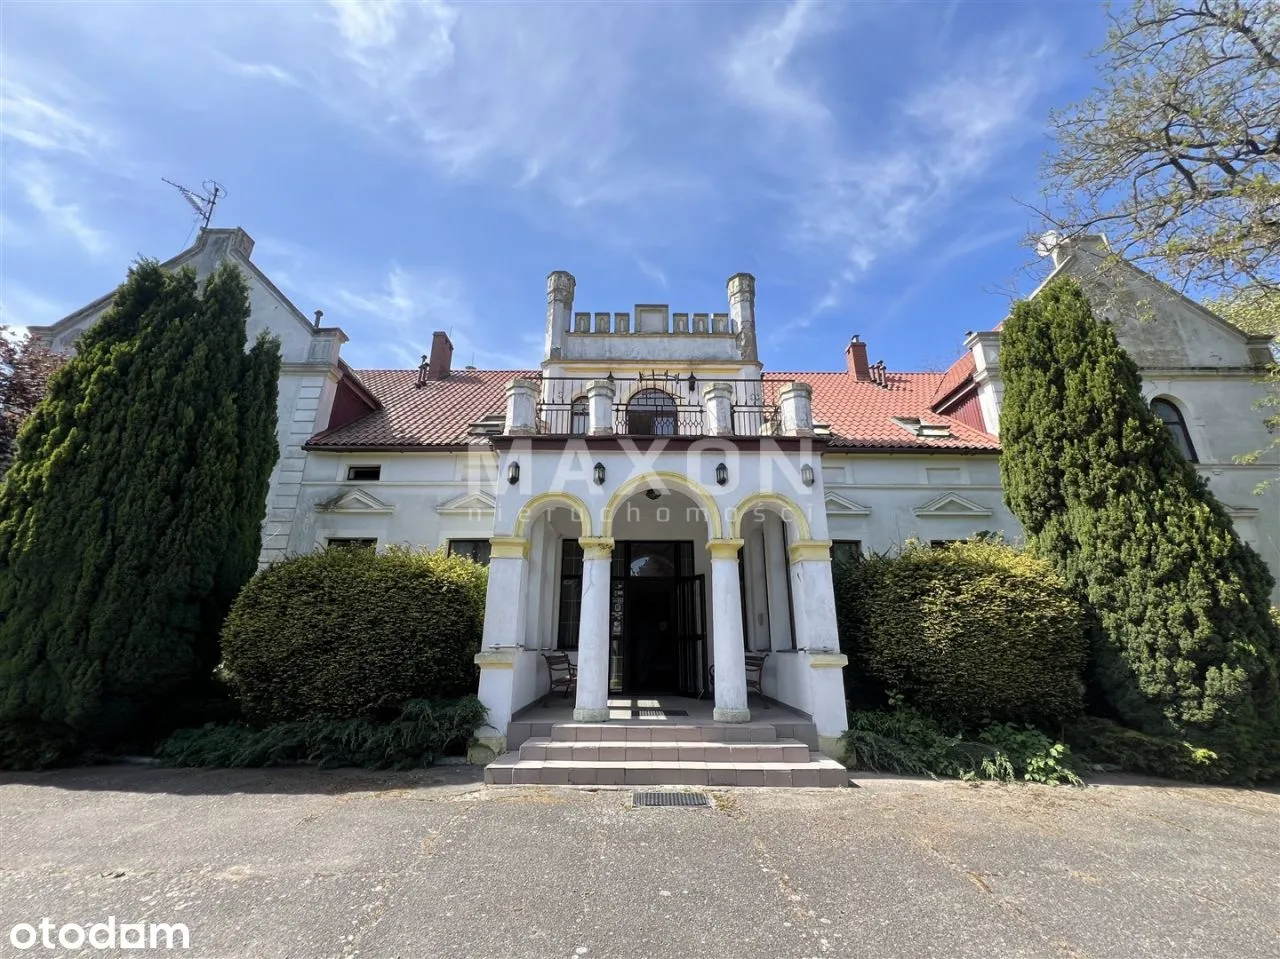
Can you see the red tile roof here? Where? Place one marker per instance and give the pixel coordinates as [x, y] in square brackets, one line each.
[960, 371]
[440, 413]
[861, 414]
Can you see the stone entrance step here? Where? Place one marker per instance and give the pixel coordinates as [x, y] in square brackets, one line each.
[631, 754]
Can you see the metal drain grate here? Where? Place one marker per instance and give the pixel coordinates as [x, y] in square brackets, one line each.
[654, 712]
[668, 799]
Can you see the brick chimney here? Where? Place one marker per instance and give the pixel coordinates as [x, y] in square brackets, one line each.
[855, 356]
[441, 356]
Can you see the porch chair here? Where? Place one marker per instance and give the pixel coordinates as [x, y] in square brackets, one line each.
[755, 676]
[564, 675]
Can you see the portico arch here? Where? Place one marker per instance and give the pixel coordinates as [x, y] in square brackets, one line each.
[544, 501]
[691, 488]
[790, 513]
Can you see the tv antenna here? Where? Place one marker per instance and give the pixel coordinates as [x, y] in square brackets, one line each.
[202, 203]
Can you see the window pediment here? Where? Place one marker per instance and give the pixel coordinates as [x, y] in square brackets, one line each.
[354, 501]
[952, 505]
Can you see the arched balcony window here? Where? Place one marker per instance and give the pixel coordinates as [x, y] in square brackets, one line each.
[579, 416]
[651, 413]
[1174, 422]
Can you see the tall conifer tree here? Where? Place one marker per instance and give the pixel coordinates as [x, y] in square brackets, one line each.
[1183, 641]
[130, 517]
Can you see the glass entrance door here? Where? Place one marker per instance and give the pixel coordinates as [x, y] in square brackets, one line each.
[657, 629]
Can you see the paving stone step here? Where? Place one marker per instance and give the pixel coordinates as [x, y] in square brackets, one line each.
[666, 732]
[529, 728]
[666, 750]
[510, 769]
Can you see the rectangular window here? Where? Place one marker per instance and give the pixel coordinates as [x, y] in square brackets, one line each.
[846, 550]
[570, 595]
[474, 549]
[351, 542]
[365, 473]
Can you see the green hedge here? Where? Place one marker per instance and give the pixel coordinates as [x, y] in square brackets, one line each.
[343, 633]
[971, 633]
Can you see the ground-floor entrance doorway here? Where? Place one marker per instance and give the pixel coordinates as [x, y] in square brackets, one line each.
[657, 621]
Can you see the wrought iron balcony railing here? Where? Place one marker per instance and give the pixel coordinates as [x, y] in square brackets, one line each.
[654, 404]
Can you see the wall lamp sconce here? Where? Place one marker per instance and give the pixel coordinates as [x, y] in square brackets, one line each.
[806, 475]
[513, 474]
[722, 474]
[598, 473]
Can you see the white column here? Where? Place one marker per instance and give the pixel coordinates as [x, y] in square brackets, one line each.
[504, 598]
[600, 395]
[503, 632]
[795, 404]
[717, 409]
[726, 628]
[522, 408]
[592, 705]
[815, 614]
[813, 596]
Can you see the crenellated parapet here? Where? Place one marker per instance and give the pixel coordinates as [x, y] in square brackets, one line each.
[651, 331]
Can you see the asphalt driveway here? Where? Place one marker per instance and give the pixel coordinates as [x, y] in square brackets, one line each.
[310, 864]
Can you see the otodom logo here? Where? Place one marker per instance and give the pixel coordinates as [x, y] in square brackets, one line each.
[47, 934]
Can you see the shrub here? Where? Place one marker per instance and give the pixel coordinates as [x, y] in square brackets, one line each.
[968, 633]
[903, 740]
[423, 731]
[131, 515]
[1105, 742]
[1183, 645]
[342, 634]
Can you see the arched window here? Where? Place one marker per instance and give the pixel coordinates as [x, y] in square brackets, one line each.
[578, 416]
[1177, 427]
[651, 413]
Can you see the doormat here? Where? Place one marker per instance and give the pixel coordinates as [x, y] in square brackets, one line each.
[668, 799]
[650, 712]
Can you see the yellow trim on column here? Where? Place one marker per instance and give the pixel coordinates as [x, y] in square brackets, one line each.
[496, 659]
[528, 512]
[780, 504]
[691, 488]
[596, 547]
[828, 660]
[508, 547]
[810, 551]
[724, 548]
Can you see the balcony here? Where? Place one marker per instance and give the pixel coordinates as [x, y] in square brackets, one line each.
[656, 404]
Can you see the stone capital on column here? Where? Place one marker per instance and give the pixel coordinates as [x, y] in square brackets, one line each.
[810, 551]
[596, 547]
[724, 548]
[508, 547]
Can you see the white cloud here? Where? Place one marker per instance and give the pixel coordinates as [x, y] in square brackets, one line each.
[46, 122]
[854, 196]
[394, 313]
[260, 71]
[758, 68]
[45, 193]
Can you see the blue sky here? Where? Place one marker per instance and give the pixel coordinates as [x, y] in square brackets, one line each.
[418, 166]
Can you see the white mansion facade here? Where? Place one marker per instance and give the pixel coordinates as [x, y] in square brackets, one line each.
[656, 504]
